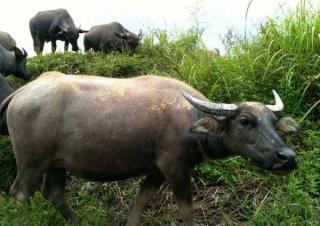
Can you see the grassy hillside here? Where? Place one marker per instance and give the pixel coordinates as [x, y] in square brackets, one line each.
[283, 55]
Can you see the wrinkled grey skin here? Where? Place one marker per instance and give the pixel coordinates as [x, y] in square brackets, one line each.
[5, 91]
[53, 25]
[14, 62]
[107, 129]
[7, 41]
[110, 37]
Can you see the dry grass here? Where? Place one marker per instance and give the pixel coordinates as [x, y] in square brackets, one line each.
[214, 204]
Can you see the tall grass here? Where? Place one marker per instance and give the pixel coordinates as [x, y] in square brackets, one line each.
[285, 55]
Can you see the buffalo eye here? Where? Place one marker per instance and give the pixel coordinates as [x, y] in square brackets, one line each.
[246, 121]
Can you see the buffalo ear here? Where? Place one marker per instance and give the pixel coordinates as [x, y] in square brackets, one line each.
[287, 125]
[121, 35]
[18, 53]
[207, 125]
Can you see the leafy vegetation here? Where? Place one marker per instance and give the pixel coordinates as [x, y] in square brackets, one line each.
[283, 55]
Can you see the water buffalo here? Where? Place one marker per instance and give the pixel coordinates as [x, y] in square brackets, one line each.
[14, 62]
[107, 129]
[53, 25]
[7, 41]
[215, 52]
[109, 37]
[5, 91]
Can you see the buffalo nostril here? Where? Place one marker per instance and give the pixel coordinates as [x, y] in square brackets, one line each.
[287, 156]
[282, 156]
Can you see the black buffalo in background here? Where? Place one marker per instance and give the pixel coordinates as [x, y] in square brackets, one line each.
[7, 41]
[53, 25]
[111, 37]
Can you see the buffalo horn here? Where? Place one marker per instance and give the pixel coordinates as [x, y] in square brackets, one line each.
[140, 35]
[81, 30]
[63, 29]
[278, 106]
[218, 109]
[25, 54]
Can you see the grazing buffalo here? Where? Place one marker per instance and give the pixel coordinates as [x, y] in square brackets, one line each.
[53, 25]
[109, 37]
[14, 62]
[215, 52]
[5, 91]
[7, 41]
[107, 129]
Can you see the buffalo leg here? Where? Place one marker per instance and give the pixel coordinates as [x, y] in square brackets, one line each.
[179, 178]
[150, 185]
[66, 46]
[41, 46]
[86, 45]
[53, 46]
[182, 192]
[38, 46]
[53, 188]
[26, 181]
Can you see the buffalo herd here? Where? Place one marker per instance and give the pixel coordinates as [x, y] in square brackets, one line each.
[53, 25]
[107, 129]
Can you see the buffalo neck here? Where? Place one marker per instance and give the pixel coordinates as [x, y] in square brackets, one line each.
[211, 147]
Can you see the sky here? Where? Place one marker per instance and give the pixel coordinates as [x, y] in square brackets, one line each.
[216, 16]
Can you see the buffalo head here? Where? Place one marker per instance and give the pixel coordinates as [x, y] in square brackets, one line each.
[19, 69]
[71, 34]
[250, 129]
[131, 40]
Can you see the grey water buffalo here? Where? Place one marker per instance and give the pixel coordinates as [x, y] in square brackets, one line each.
[7, 41]
[215, 52]
[107, 129]
[53, 25]
[5, 91]
[14, 62]
[109, 37]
